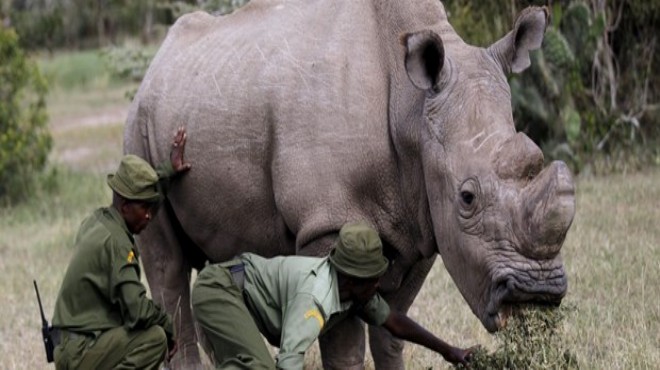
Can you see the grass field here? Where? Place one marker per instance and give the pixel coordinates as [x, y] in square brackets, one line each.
[612, 253]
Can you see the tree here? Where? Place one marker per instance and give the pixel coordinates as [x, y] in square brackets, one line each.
[591, 92]
[24, 137]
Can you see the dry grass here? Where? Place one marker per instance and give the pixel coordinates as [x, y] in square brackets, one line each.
[94, 149]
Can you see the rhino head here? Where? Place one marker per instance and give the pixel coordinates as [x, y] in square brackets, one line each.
[499, 218]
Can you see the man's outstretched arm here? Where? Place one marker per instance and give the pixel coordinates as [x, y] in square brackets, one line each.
[402, 327]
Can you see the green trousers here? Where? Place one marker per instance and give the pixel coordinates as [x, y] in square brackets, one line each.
[116, 348]
[230, 330]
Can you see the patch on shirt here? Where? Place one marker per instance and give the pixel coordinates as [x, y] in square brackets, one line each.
[131, 257]
[315, 314]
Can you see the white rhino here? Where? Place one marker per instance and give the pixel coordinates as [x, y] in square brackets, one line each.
[303, 115]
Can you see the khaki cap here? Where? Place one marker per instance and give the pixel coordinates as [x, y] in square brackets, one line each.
[135, 179]
[358, 252]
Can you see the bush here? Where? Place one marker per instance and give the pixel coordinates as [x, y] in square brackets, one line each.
[127, 64]
[24, 137]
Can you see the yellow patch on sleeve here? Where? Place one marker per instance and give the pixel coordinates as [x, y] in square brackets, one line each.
[131, 256]
[315, 314]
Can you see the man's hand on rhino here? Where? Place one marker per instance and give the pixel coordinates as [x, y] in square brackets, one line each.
[177, 152]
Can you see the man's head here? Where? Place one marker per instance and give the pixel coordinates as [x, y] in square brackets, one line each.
[135, 188]
[359, 261]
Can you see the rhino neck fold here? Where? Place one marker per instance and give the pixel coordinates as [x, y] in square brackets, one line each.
[406, 104]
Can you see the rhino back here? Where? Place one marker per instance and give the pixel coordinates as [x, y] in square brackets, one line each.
[287, 106]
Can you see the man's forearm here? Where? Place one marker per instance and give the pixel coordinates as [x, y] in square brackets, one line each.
[402, 327]
[165, 173]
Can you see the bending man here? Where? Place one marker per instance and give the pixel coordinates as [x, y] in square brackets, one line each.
[292, 300]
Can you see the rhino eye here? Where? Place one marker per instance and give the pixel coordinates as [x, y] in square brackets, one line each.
[467, 197]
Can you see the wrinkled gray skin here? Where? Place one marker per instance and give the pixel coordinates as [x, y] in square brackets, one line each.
[304, 115]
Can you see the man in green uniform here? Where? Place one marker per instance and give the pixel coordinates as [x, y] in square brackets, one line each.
[103, 318]
[292, 300]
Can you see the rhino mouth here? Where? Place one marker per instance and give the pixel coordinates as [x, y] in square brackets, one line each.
[546, 287]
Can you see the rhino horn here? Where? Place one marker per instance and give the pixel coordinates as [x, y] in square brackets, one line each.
[548, 211]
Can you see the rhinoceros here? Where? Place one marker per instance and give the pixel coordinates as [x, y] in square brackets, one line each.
[303, 115]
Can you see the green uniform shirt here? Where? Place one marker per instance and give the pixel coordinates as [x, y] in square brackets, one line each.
[295, 299]
[102, 288]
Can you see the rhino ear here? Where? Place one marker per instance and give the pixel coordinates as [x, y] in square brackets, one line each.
[512, 51]
[425, 56]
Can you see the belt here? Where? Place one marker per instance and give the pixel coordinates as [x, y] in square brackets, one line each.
[236, 268]
[238, 274]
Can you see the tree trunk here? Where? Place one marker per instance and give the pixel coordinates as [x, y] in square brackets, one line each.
[147, 29]
[100, 22]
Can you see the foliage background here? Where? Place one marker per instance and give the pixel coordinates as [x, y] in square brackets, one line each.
[591, 95]
[24, 137]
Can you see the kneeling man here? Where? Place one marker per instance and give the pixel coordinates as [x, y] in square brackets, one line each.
[103, 318]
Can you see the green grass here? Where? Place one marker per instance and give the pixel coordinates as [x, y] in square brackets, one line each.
[82, 69]
[83, 90]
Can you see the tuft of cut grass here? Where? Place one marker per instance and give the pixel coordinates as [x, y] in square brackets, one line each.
[531, 340]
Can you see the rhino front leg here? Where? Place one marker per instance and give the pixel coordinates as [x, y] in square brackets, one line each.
[343, 346]
[168, 274]
[386, 350]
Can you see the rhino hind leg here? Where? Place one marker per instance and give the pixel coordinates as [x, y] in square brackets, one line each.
[168, 270]
[342, 347]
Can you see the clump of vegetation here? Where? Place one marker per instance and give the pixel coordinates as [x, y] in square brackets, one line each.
[24, 137]
[531, 340]
[127, 64]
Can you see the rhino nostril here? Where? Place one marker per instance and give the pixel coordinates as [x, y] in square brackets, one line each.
[467, 197]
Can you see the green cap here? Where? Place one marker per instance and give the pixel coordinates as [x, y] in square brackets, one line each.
[135, 179]
[359, 252]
